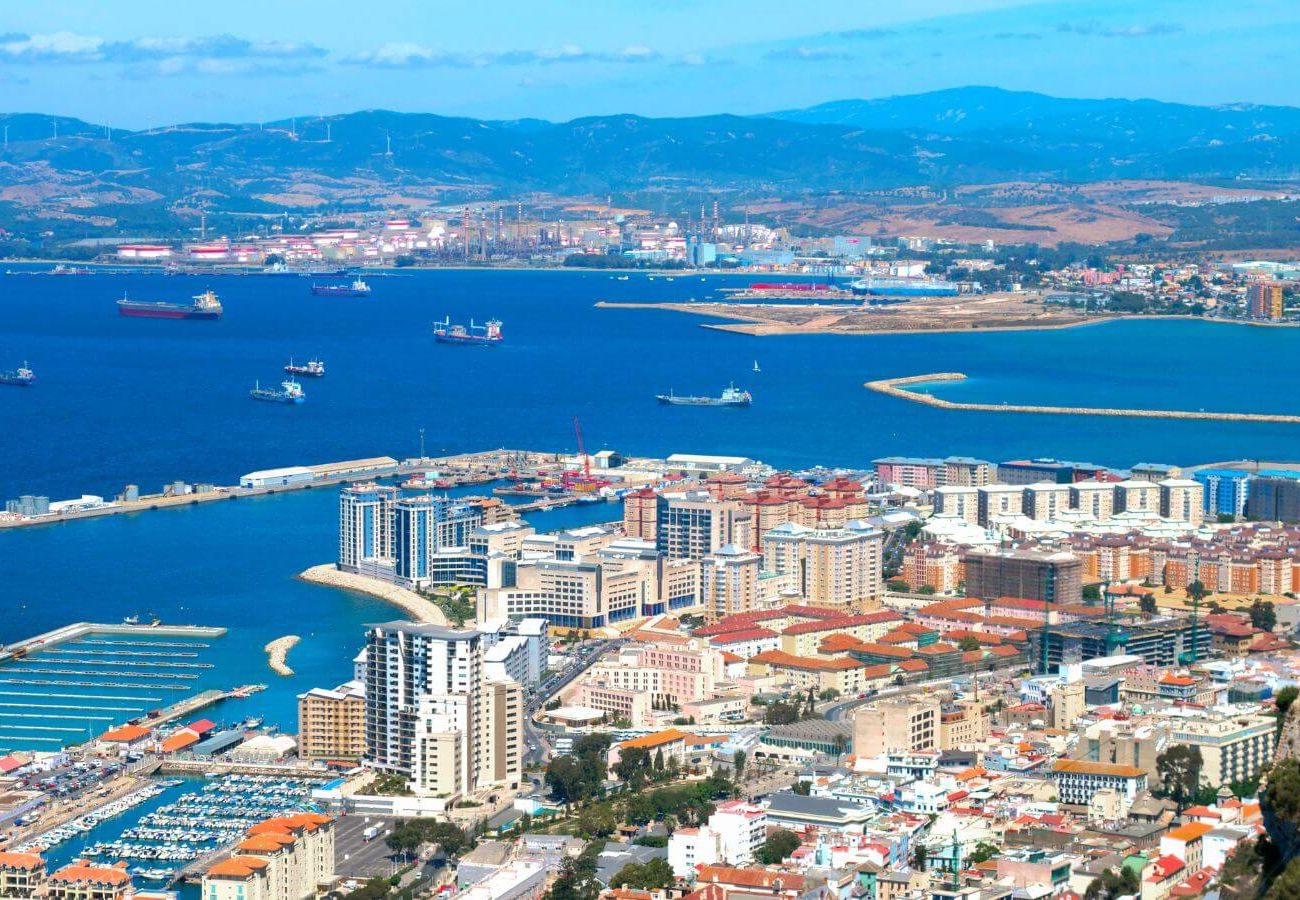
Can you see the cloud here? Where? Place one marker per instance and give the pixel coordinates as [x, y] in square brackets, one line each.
[58, 46]
[406, 55]
[164, 55]
[807, 54]
[1096, 29]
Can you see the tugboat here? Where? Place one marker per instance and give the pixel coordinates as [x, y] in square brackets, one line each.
[732, 396]
[292, 393]
[446, 333]
[205, 306]
[357, 288]
[313, 368]
[22, 376]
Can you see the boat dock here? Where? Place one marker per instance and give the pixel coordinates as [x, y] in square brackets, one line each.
[67, 686]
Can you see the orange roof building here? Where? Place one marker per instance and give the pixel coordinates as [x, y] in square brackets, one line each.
[126, 734]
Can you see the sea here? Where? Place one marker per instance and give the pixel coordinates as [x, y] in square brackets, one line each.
[147, 402]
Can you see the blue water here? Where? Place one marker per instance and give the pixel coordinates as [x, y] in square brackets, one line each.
[123, 400]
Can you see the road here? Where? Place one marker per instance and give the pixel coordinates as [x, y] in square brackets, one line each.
[539, 748]
[840, 708]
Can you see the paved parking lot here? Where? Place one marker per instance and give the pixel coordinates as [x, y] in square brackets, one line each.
[357, 858]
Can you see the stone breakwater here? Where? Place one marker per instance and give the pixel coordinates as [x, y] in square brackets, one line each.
[901, 388]
[277, 653]
[418, 608]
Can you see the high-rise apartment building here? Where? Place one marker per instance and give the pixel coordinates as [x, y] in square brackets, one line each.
[1182, 499]
[839, 568]
[692, 524]
[729, 582]
[1264, 300]
[332, 724]
[365, 524]
[1051, 576]
[432, 717]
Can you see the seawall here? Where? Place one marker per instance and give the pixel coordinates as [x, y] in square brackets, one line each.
[899, 387]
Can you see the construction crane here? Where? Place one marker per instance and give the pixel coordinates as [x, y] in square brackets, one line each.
[582, 451]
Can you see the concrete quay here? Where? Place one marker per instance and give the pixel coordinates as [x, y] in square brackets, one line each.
[900, 388]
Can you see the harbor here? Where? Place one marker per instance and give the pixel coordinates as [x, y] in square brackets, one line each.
[67, 686]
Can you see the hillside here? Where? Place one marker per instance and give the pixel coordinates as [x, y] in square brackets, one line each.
[85, 181]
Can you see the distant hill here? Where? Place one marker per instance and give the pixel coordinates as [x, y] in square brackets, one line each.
[966, 136]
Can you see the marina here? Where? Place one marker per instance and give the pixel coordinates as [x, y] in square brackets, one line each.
[66, 686]
[169, 824]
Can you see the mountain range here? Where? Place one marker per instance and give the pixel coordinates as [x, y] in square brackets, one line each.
[964, 136]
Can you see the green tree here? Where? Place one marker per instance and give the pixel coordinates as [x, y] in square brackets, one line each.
[633, 766]
[1147, 603]
[920, 855]
[650, 876]
[778, 846]
[828, 694]
[983, 852]
[1196, 591]
[1091, 592]
[738, 764]
[1262, 614]
[1179, 769]
[898, 585]
[1283, 700]
[1280, 805]
[803, 788]
[967, 643]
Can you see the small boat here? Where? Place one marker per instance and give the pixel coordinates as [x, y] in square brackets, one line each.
[292, 393]
[22, 376]
[131, 620]
[756, 368]
[312, 368]
[357, 288]
[732, 396]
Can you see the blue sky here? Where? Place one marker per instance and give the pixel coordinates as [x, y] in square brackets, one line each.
[134, 63]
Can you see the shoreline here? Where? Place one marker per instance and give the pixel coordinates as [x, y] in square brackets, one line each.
[277, 653]
[421, 610]
[899, 388]
[756, 326]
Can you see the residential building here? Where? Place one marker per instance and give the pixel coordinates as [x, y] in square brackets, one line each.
[692, 525]
[958, 502]
[1225, 491]
[729, 581]
[1045, 501]
[1000, 501]
[21, 874]
[1233, 747]
[284, 858]
[332, 724]
[904, 724]
[1182, 499]
[1264, 300]
[1051, 576]
[839, 568]
[1077, 780]
[1137, 495]
[365, 524]
[84, 880]
[1275, 498]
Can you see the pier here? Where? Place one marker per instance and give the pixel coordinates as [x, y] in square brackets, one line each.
[902, 389]
[460, 470]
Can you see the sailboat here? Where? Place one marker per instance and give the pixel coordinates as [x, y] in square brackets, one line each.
[756, 368]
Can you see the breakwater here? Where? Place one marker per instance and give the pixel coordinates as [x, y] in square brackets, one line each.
[419, 608]
[277, 653]
[902, 388]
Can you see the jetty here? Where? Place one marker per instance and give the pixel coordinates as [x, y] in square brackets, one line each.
[455, 471]
[904, 389]
[277, 653]
[419, 608]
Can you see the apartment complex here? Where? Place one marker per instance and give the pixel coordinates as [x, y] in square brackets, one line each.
[431, 714]
[904, 724]
[836, 568]
[1050, 576]
[332, 723]
[1264, 300]
[285, 858]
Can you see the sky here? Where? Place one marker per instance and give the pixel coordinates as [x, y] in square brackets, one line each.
[139, 63]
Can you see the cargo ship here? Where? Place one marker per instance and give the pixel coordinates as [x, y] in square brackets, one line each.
[22, 376]
[357, 288]
[732, 396]
[205, 306]
[488, 335]
[292, 393]
[903, 287]
[312, 368]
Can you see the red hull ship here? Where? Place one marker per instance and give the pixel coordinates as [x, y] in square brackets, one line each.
[205, 306]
